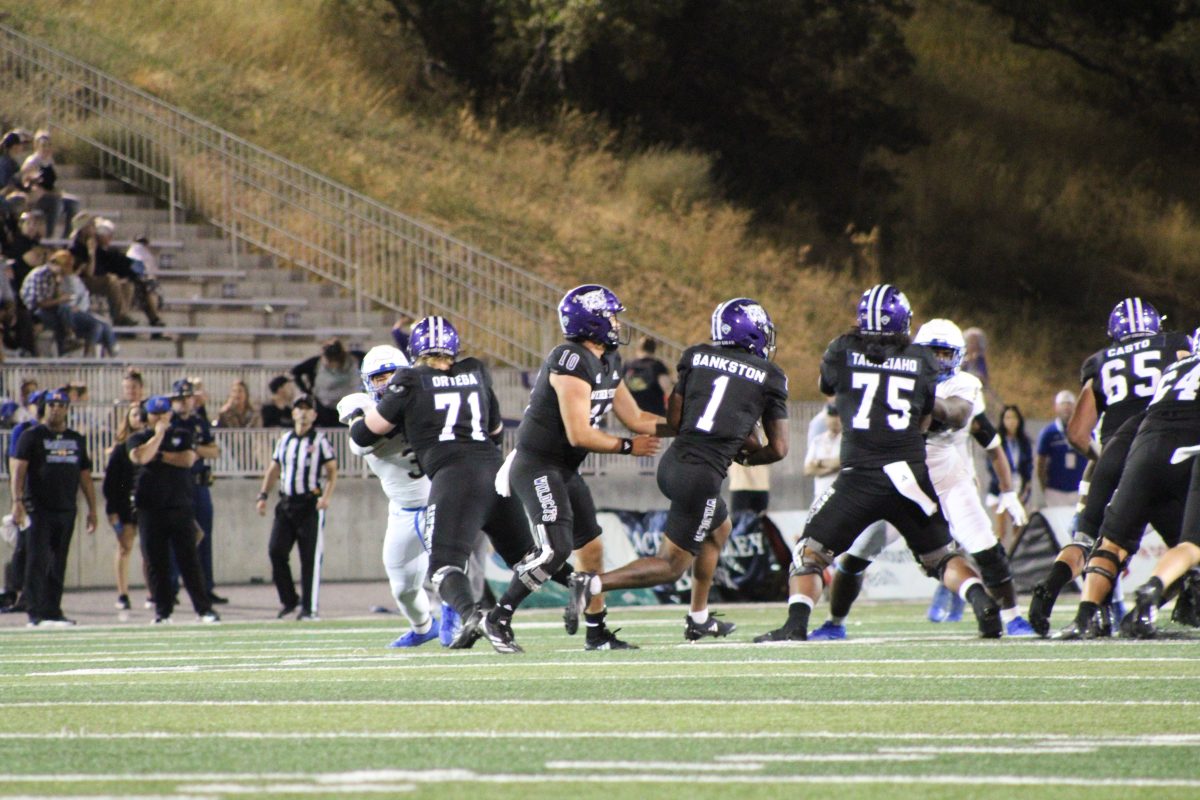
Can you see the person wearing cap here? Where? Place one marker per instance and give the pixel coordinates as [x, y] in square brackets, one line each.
[301, 456]
[44, 293]
[183, 402]
[277, 411]
[1059, 468]
[103, 273]
[12, 152]
[162, 499]
[50, 468]
[14, 571]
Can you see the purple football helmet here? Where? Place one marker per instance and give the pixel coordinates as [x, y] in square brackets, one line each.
[883, 309]
[1133, 317]
[433, 336]
[589, 312]
[742, 322]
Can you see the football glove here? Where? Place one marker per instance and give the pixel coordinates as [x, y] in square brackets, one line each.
[1010, 503]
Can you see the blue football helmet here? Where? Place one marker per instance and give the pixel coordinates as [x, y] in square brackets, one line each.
[590, 312]
[433, 336]
[943, 335]
[1132, 318]
[742, 322]
[883, 309]
[379, 360]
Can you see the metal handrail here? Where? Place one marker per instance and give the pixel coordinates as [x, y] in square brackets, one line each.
[261, 200]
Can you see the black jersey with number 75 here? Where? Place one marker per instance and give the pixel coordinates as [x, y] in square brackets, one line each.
[725, 392]
[447, 414]
[881, 398]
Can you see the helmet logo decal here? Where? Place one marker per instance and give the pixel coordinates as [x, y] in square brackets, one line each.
[594, 300]
[755, 313]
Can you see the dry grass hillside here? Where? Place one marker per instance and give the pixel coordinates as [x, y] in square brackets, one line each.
[330, 84]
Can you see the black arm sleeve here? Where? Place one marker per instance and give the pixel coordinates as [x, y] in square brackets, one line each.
[362, 435]
[983, 430]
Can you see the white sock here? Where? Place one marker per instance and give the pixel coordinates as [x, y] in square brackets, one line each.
[800, 598]
[594, 585]
[699, 617]
[966, 587]
[424, 626]
[1007, 615]
[837, 620]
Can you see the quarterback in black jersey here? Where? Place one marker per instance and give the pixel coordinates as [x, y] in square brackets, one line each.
[576, 387]
[1117, 384]
[452, 420]
[883, 386]
[1153, 486]
[724, 389]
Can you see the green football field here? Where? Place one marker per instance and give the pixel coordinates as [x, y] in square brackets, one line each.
[905, 709]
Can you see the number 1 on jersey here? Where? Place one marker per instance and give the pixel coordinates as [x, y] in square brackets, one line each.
[452, 402]
[708, 418]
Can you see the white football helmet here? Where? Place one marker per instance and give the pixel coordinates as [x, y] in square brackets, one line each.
[378, 360]
[944, 335]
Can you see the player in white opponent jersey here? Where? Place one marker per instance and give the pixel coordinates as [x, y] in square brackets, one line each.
[405, 556]
[959, 408]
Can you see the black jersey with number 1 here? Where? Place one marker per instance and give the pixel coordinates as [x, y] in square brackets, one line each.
[1123, 376]
[880, 401]
[725, 392]
[542, 432]
[446, 414]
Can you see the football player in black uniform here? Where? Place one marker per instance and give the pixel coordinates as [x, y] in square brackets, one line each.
[883, 386]
[579, 383]
[1153, 488]
[452, 420]
[724, 389]
[1118, 382]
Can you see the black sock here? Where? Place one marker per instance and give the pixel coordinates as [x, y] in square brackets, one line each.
[844, 592]
[1087, 610]
[798, 616]
[564, 573]
[455, 589]
[978, 597]
[1060, 576]
[595, 623]
[501, 613]
[515, 594]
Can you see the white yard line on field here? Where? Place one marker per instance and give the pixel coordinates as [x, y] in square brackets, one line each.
[531, 702]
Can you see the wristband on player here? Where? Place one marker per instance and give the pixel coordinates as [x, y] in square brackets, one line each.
[262, 496]
[626, 447]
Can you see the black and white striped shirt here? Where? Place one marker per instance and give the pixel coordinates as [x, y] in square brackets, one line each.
[300, 460]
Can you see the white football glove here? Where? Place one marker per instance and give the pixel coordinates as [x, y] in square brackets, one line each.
[1010, 503]
[352, 405]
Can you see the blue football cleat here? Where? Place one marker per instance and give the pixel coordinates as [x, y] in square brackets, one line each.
[1019, 627]
[828, 633]
[957, 604]
[414, 639]
[939, 608]
[451, 623]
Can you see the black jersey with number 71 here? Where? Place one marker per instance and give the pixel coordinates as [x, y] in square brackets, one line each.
[881, 400]
[725, 391]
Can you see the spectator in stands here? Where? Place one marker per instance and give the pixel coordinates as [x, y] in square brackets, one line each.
[26, 400]
[118, 498]
[823, 460]
[328, 378]
[41, 183]
[201, 397]
[104, 272]
[648, 378]
[277, 411]
[1019, 451]
[1059, 467]
[401, 331]
[97, 333]
[13, 149]
[238, 411]
[975, 358]
[44, 294]
[110, 260]
[133, 387]
[31, 227]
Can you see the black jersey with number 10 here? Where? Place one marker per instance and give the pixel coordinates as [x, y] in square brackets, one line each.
[1123, 376]
[725, 392]
[880, 402]
[447, 414]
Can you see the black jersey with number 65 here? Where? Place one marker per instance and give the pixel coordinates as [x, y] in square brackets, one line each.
[446, 414]
[542, 432]
[1123, 376]
[725, 392]
[880, 400]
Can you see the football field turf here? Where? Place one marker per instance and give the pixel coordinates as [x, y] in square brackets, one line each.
[905, 709]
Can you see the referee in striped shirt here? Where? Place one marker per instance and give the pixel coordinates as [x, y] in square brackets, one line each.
[302, 457]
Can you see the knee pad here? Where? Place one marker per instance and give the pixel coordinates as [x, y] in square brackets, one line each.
[1083, 541]
[440, 574]
[993, 566]
[811, 558]
[934, 562]
[535, 568]
[851, 565]
[1104, 555]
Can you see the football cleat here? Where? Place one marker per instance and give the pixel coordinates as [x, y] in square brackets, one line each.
[783, 634]
[694, 631]
[1018, 627]
[1139, 624]
[601, 638]
[579, 595]
[1097, 626]
[451, 624]
[828, 632]
[1040, 608]
[987, 617]
[1187, 605]
[209, 617]
[122, 603]
[946, 606]
[500, 633]
[414, 639]
[469, 632]
[161, 621]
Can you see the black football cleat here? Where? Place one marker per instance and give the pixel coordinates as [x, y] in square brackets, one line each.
[1139, 623]
[1097, 626]
[1040, 607]
[469, 633]
[579, 595]
[695, 631]
[987, 616]
[500, 633]
[601, 638]
[783, 634]
[1187, 605]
